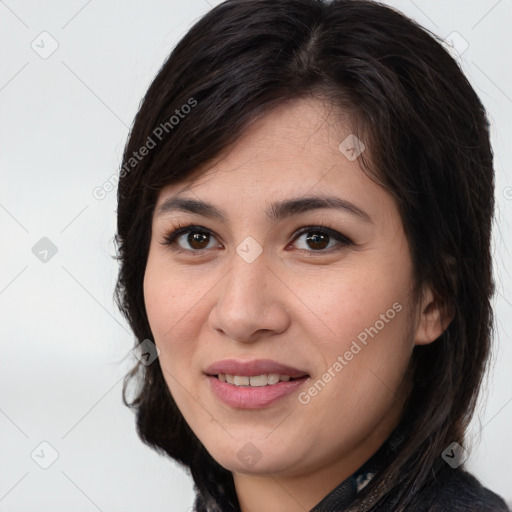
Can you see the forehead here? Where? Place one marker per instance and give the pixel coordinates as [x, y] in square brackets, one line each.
[307, 126]
[297, 148]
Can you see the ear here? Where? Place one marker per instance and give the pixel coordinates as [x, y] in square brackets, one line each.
[434, 318]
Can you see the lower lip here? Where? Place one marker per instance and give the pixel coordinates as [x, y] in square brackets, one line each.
[247, 397]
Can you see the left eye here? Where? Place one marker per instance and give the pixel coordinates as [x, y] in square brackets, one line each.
[319, 239]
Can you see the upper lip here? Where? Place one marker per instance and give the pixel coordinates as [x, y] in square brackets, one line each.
[252, 368]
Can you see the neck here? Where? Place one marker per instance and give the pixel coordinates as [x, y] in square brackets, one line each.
[300, 493]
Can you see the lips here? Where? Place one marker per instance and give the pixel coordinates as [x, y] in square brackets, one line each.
[253, 368]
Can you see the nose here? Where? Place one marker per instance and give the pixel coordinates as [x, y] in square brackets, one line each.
[250, 302]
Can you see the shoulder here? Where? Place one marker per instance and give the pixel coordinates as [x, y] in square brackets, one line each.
[457, 490]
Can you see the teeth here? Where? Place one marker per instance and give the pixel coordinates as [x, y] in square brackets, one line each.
[238, 380]
[259, 380]
[273, 378]
[254, 381]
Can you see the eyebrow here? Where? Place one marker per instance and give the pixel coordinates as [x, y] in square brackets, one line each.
[277, 210]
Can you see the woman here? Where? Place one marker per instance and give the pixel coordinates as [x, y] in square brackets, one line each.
[304, 221]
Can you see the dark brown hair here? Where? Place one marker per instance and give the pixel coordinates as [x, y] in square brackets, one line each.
[429, 140]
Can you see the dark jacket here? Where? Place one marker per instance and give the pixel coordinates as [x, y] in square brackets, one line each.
[451, 490]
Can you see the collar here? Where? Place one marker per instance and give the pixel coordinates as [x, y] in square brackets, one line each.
[343, 496]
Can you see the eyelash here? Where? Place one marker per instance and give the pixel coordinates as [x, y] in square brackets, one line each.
[171, 237]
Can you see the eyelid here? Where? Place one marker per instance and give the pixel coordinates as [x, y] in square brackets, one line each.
[300, 229]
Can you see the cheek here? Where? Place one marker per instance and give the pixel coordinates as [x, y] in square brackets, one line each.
[172, 300]
[363, 363]
[163, 307]
[350, 302]
[171, 318]
[365, 328]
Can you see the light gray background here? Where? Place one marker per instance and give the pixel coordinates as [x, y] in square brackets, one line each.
[64, 121]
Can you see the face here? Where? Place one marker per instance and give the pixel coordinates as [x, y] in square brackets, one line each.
[283, 251]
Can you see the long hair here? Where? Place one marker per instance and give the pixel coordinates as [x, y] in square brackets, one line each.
[429, 137]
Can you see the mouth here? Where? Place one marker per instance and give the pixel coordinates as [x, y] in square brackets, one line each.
[253, 384]
[236, 371]
[256, 381]
[242, 396]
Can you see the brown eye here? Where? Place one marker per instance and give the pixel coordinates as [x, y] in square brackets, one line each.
[317, 241]
[198, 240]
[193, 239]
[320, 239]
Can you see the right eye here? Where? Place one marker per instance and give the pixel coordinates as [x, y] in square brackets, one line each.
[190, 238]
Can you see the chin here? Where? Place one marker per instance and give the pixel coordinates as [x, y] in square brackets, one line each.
[253, 457]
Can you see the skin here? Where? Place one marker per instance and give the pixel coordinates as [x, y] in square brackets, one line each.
[295, 303]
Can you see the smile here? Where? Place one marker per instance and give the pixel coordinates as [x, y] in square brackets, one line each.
[248, 396]
[268, 379]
